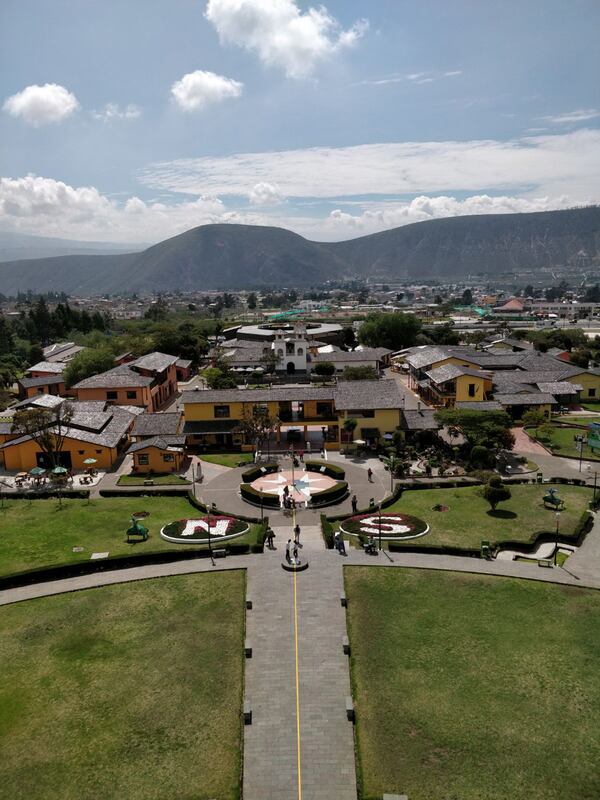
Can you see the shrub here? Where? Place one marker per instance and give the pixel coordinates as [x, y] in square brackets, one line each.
[327, 529]
[252, 495]
[480, 457]
[331, 495]
[257, 471]
[496, 492]
[332, 470]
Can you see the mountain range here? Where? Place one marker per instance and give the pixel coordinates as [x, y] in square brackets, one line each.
[231, 256]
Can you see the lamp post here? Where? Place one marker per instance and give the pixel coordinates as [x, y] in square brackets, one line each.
[379, 510]
[595, 482]
[556, 543]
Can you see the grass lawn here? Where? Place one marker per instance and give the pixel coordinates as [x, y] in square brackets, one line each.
[129, 691]
[590, 406]
[561, 441]
[474, 687]
[42, 534]
[229, 459]
[469, 519]
[168, 479]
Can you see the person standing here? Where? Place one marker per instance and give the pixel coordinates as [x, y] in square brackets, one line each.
[370, 475]
[297, 534]
[354, 502]
[270, 538]
[288, 551]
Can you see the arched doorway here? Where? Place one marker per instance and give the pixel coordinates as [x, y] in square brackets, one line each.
[290, 368]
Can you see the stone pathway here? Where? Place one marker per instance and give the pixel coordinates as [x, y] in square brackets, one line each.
[315, 762]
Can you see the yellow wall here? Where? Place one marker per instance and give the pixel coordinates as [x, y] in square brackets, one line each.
[23, 456]
[588, 382]
[385, 420]
[205, 411]
[482, 387]
[156, 462]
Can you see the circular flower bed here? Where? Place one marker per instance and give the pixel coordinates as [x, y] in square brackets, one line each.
[196, 531]
[393, 526]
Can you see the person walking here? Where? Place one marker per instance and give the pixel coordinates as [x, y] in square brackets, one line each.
[370, 475]
[270, 538]
[288, 551]
[301, 454]
[297, 534]
[354, 502]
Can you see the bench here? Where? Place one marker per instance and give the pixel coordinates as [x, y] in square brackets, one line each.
[370, 548]
[247, 713]
[346, 645]
[546, 562]
[350, 715]
[248, 604]
[149, 482]
[220, 552]
[247, 648]
[344, 601]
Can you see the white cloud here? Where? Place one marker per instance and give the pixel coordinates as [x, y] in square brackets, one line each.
[581, 115]
[565, 164]
[265, 194]
[113, 111]
[378, 217]
[412, 77]
[198, 89]
[281, 34]
[41, 105]
[49, 207]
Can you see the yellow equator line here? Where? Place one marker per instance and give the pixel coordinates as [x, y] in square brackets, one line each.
[297, 690]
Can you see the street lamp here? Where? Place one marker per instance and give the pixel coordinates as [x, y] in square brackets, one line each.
[556, 543]
[380, 526]
[595, 481]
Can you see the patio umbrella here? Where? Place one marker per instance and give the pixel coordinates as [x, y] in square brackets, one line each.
[359, 441]
[60, 471]
[37, 471]
[90, 461]
[388, 436]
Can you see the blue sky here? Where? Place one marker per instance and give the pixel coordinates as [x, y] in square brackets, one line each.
[131, 121]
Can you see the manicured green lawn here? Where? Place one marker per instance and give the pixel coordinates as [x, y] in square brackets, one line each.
[469, 519]
[229, 459]
[167, 479]
[40, 533]
[561, 441]
[474, 687]
[129, 691]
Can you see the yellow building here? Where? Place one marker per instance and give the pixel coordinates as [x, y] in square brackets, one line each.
[589, 380]
[158, 455]
[446, 385]
[93, 432]
[307, 416]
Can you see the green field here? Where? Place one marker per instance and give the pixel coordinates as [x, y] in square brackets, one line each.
[41, 533]
[561, 441]
[469, 519]
[229, 459]
[474, 687]
[167, 479]
[129, 691]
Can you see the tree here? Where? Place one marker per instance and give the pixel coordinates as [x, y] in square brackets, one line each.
[87, 363]
[257, 424]
[496, 492]
[252, 303]
[349, 426]
[533, 418]
[359, 374]
[467, 297]
[393, 331]
[490, 429]
[580, 357]
[48, 428]
[35, 355]
[269, 362]
[480, 457]
[325, 369]
[395, 465]
[348, 338]
[217, 378]
[592, 294]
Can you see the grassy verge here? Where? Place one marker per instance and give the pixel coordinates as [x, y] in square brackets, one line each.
[41, 533]
[469, 519]
[474, 687]
[126, 691]
[167, 479]
[561, 441]
[229, 459]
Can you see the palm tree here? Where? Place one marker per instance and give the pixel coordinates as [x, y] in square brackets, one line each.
[395, 465]
[349, 425]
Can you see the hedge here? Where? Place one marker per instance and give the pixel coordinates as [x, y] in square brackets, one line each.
[332, 470]
[329, 496]
[258, 471]
[252, 495]
[327, 530]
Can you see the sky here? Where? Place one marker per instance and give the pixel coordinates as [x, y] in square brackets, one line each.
[130, 121]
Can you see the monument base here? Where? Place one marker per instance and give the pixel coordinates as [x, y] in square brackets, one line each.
[299, 566]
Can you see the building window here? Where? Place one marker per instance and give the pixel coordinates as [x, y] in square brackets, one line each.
[280, 352]
[592, 393]
[132, 395]
[472, 390]
[260, 409]
[81, 452]
[221, 411]
[143, 460]
[168, 457]
[300, 351]
[98, 452]
[111, 395]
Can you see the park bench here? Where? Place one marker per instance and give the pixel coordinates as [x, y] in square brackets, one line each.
[350, 714]
[149, 482]
[248, 603]
[346, 645]
[370, 548]
[247, 648]
[220, 552]
[486, 550]
[545, 562]
[344, 601]
[247, 713]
